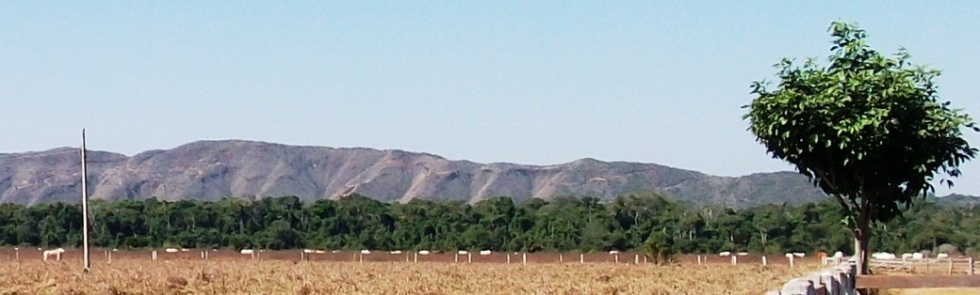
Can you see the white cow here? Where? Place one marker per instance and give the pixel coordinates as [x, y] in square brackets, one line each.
[462, 252]
[247, 251]
[883, 256]
[396, 252]
[485, 252]
[424, 252]
[170, 250]
[55, 252]
[365, 251]
[726, 253]
[308, 251]
[942, 255]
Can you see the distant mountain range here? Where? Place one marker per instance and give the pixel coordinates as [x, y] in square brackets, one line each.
[210, 170]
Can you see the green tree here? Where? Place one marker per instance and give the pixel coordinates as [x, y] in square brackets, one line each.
[867, 129]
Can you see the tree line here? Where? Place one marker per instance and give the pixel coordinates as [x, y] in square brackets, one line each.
[646, 222]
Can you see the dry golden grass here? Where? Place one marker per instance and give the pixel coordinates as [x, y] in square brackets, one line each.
[290, 277]
[938, 269]
[938, 291]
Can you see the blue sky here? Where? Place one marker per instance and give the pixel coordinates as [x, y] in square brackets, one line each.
[532, 82]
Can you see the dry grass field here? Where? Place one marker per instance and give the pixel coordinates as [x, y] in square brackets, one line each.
[140, 276]
[938, 291]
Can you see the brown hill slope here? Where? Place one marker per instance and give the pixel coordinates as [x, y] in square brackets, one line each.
[210, 170]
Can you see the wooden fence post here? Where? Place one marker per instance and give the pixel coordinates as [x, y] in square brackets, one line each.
[456, 257]
[525, 258]
[636, 258]
[561, 258]
[970, 271]
[469, 257]
[154, 255]
[699, 259]
[508, 258]
[764, 263]
[581, 258]
[416, 257]
[791, 261]
[950, 270]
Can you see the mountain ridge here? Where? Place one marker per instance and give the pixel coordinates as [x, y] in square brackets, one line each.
[212, 169]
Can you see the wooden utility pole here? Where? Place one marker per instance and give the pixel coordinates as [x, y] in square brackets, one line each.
[87, 264]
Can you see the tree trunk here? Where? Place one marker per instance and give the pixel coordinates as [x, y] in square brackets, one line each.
[862, 238]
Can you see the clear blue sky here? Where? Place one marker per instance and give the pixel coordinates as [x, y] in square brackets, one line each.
[530, 82]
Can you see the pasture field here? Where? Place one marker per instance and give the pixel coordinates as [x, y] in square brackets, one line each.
[283, 276]
[938, 291]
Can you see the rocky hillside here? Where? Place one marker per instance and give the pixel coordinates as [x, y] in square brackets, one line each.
[210, 170]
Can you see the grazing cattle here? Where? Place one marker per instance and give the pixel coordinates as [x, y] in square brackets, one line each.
[55, 252]
[307, 251]
[789, 255]
[184, 249]
[424, 252]
[907, 256]
[463, 252]
[942, 255]
[170, 250]
[726, 253]
[396, 252]
[838, 254]
[320, 252]
[799, 254]
[743, 253]
[247, 251]
[613, 252]
[365, 252]
[485, 252]
[917, 256]
[335, 251]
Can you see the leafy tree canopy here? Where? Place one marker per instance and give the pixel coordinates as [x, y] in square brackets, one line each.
[868, 129]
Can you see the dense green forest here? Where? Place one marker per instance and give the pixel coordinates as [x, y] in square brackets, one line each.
[630, 222]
